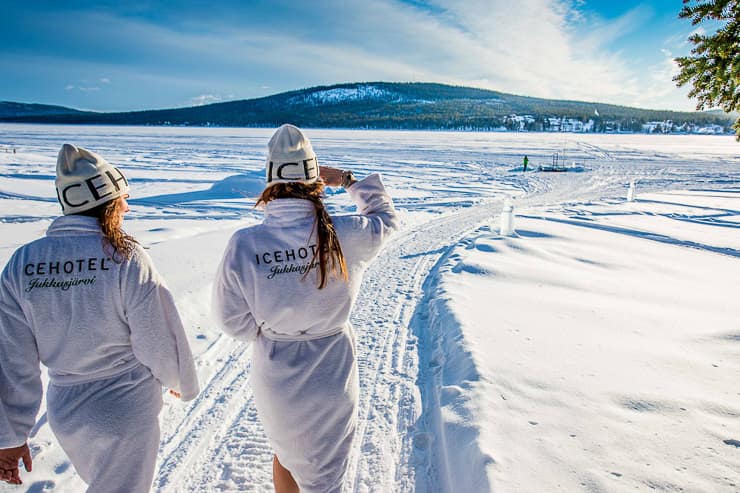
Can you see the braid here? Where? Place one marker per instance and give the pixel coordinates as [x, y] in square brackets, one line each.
[329, 251]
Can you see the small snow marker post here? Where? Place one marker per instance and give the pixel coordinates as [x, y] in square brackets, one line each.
[631, 192]
[507, 219]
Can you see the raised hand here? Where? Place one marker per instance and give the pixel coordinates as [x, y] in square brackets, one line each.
[332, 176]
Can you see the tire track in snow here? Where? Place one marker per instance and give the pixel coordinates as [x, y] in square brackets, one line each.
[594, 150]
[238, 456]
[388, 350]
[383, 457]
[219, 444]
[182, 444]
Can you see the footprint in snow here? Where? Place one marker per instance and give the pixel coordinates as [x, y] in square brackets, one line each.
[41, 487]
[423, 440]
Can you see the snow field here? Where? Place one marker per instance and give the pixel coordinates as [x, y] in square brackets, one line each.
[479, 355]
[588, 353]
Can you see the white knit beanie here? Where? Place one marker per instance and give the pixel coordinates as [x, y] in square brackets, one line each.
[86, 180]
[290, 157]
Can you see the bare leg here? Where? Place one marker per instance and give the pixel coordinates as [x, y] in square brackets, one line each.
[282, 479]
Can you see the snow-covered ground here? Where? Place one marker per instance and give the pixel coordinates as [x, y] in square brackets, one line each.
[596, 350]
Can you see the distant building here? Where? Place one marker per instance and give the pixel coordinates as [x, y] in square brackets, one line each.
[573, 125]
[668, 127]
[710, 129]
[519, 123]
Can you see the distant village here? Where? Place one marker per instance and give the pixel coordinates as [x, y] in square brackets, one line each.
[525, 123]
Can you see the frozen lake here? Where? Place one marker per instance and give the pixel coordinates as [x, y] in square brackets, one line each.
[438, 411]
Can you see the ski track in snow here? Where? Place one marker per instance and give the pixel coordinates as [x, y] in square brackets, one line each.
[193, 444]
[390, 407]
[219, 444]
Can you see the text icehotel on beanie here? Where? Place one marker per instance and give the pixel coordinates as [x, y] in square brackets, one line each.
[85, 180]
[292, 158]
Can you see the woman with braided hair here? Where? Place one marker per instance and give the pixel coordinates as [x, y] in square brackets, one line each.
[288, 285]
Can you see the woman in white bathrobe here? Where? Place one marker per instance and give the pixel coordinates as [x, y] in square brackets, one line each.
[86, 301]
[288, 284]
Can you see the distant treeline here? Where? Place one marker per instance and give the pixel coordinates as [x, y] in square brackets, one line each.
[384, 105]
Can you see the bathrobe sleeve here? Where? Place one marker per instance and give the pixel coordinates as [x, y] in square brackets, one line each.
[377, 217]
[20, 375]
[157, 335]
[229, 302]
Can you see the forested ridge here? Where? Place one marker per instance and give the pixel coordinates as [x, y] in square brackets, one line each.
[384, 105]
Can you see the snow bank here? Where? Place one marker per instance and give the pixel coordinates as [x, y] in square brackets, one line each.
[447, 439]
[597, 351]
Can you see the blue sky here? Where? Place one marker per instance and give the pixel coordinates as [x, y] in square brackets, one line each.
[116, 56]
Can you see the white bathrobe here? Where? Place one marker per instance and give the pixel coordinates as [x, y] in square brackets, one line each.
[110, 336]
[304, 368]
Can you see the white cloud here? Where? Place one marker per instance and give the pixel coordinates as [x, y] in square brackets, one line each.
[85, 88]
[526, 47]
[658, 90]
[541, 48]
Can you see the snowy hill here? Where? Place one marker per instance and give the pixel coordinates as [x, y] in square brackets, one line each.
[339, 95]
[399, 106]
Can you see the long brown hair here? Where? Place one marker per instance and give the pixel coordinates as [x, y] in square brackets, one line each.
[329, 251]
[116, 242]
